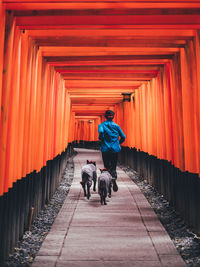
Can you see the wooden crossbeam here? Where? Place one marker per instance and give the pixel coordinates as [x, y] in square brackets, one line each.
[136, 33]
[99, 63]
[86, 117]
[109, 11]
[113, 77]
[109, 97]
[108, 20]
[109, 60]
[108, 68]
[85, 5]
[101, 90]
[91, 109]
[103, 51]
[110, 42]
[100, 83]
[107, 71]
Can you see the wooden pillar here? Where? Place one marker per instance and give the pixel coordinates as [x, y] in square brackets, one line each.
[177, 117]
[197, 95]
[5, 101]
[2, 35]
[13, 115]
[189, 109]
[22, 102]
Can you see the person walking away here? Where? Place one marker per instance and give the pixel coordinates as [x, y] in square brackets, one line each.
[109, 133]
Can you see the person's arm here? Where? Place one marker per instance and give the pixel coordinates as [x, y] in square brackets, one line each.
[101, 132]
[122, 136]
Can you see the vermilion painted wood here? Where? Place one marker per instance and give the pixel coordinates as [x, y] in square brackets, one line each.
[42, 119]
[114, 32]
[2, 32]
[108, 76]
[193, 62]
[109, 42]
[13, 115]
[189, 109]
[115, 62]
[32, 110]
[38, 129]
[126, 68]
[197, 47]
[25, 139]
[5, 104]
[100, 90]
[45, 5]
[109, 20]
[109, 27]
[177, 112]
[100, 83]
[155, 72]
[109, 12]
[25, 159]
[2, 35]
[22, 102]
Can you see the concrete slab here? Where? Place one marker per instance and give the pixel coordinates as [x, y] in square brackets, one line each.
[152, 223]
[108, 264]
[52, 245]
[172, 260]
[108, 219]
[44, 261]
[115, 208]
[107, 243]
[163, 243]
[111, 232]
[131, 252]
[126, 232]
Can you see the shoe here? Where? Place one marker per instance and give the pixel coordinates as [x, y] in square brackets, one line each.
[114, 174]
[115, 187]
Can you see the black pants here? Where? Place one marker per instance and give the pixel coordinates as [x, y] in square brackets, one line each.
[110, 162]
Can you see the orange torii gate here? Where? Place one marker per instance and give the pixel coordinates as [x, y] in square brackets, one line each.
[63, 64]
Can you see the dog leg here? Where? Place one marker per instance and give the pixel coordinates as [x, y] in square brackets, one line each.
[88, 191]
[83, 186]
[94, 180]
[105, 195]
[101, 195]
[94, 187]
[101, 200]
[110, 190]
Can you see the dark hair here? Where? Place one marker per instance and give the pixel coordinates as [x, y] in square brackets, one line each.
[109, 114]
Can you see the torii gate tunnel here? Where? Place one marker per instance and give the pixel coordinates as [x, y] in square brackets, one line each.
[63, 63]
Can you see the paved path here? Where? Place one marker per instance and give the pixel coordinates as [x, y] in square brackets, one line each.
[126, 232]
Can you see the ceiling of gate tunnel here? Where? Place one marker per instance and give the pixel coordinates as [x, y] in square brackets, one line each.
[103, 49]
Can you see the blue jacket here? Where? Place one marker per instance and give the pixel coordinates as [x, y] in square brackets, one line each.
[109, 133]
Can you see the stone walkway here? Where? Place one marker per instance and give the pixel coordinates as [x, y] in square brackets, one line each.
[125, 232]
